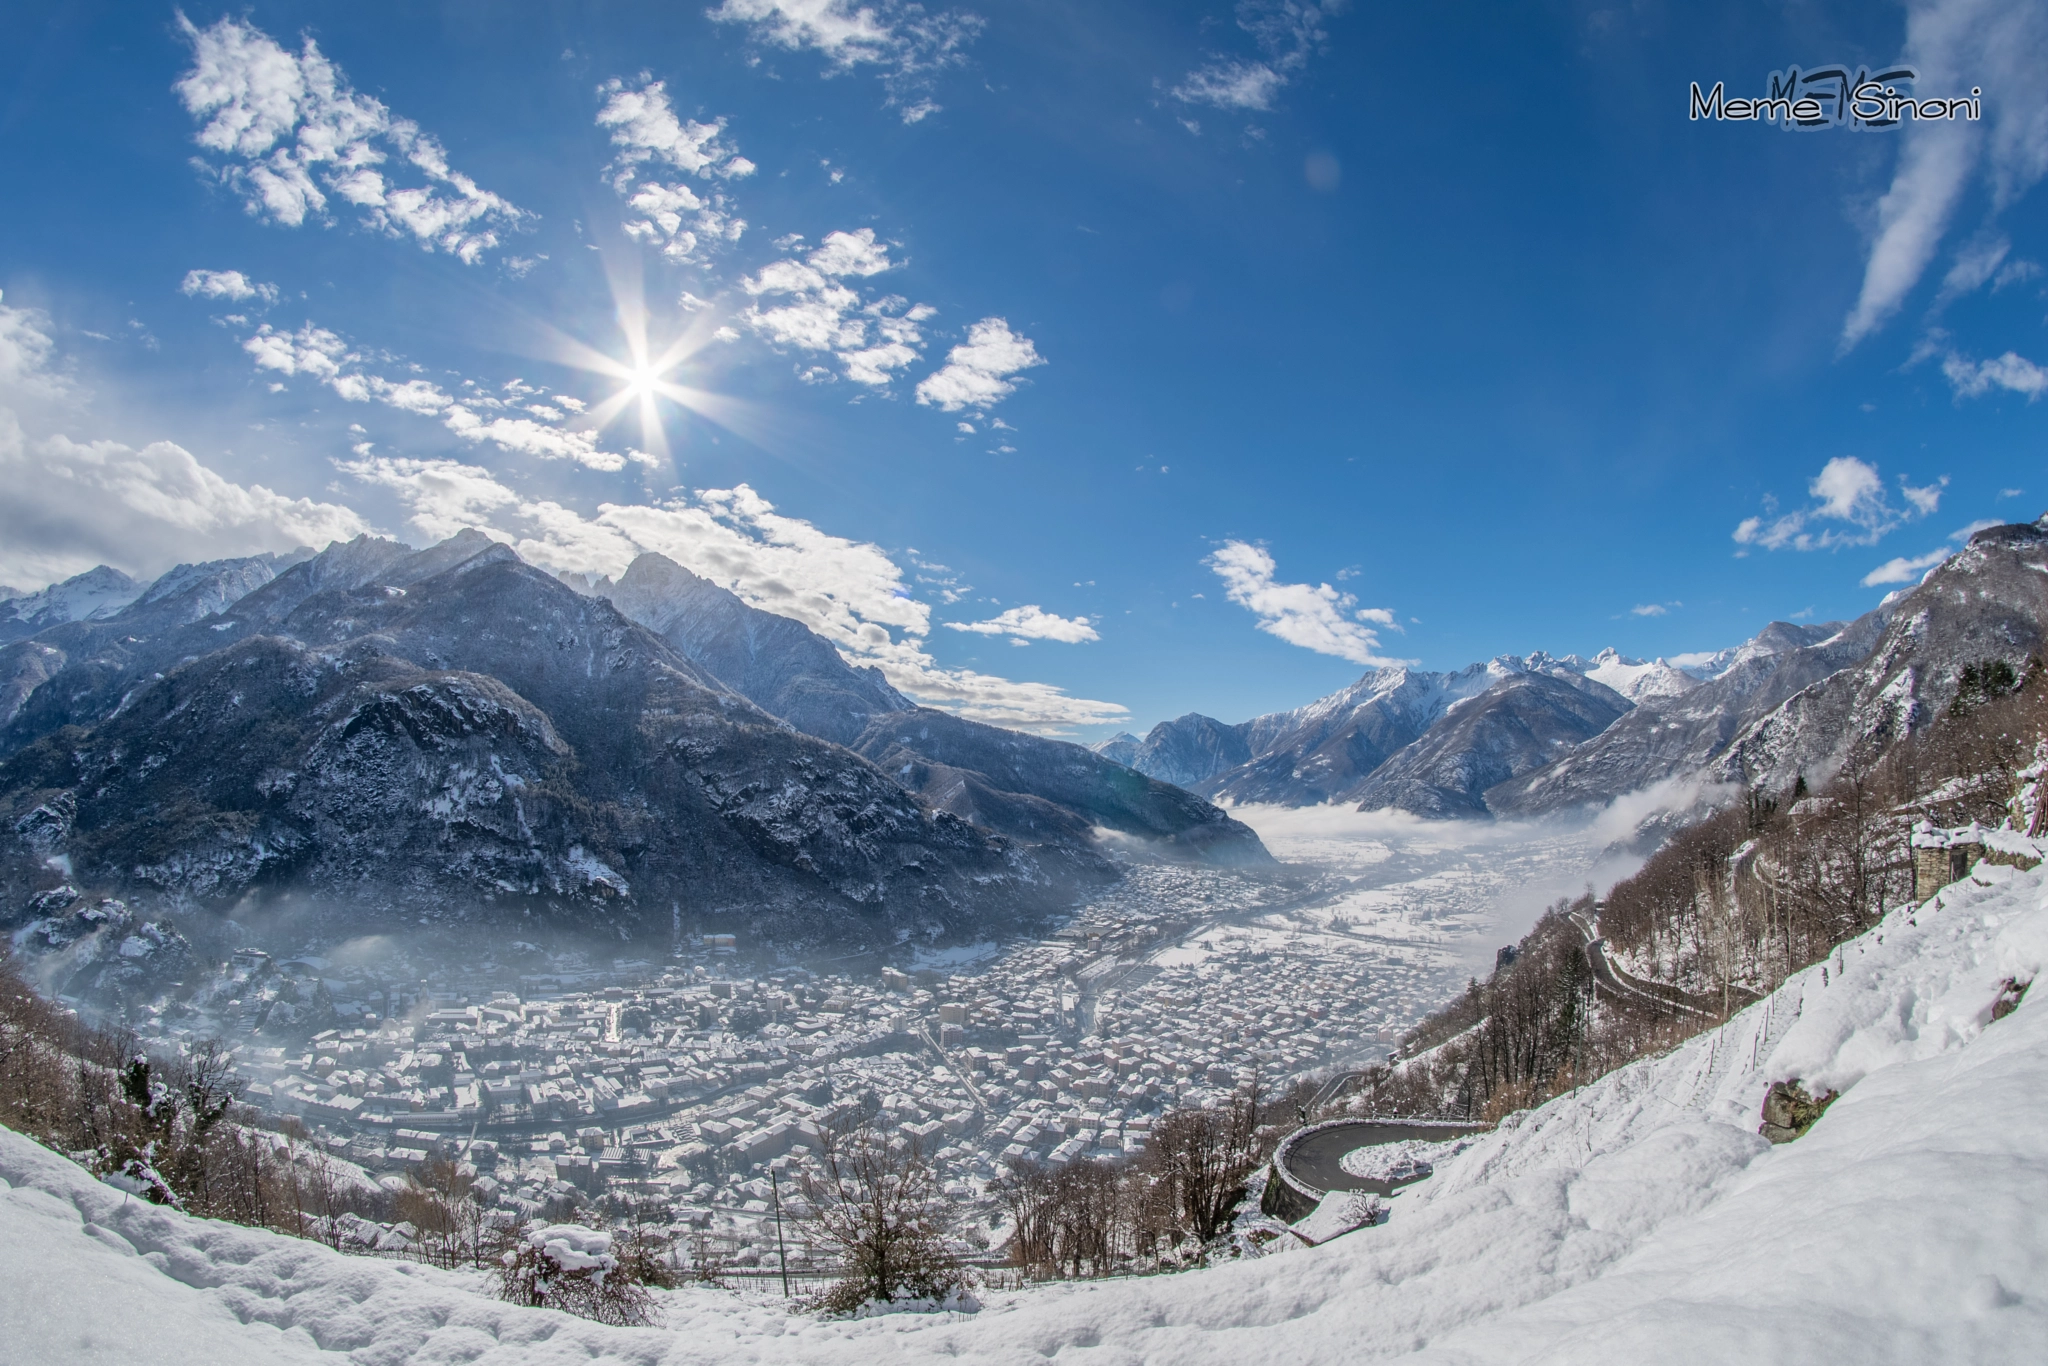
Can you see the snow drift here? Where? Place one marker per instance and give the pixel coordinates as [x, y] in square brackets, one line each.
[1640, 1218]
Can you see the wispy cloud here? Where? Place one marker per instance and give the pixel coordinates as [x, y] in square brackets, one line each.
[977, 372]
[1653, 609]
[511, 421]
[26, 351]
[851, 592]
[291, 132]
[1851, 507]
[903, 41]
[1314, 616]
[1286, 32]
[1030, 623]
[2000, 46]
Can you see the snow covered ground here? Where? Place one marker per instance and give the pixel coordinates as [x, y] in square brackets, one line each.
[1640, 1219]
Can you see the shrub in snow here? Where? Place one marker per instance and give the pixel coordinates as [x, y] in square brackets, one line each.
[571, 1268]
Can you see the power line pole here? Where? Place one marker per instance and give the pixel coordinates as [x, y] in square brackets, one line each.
[781, 1252]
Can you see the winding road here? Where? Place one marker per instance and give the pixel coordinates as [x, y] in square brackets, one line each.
[1619, 983]
[1316, 1157]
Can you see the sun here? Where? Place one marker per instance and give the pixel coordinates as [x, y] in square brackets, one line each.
[641, 381]
[650, 377]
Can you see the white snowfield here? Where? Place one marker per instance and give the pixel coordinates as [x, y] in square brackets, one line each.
[1639, 1220]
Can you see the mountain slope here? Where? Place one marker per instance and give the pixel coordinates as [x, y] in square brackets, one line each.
[999, 777]
[1190, 751]
[1516, 725]
[1024, 786]
[781, 665]
[1990, 602]
[185, 594]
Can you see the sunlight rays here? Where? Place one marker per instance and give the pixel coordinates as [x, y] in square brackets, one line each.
[648, 376]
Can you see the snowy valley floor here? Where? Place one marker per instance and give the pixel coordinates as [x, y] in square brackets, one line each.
[1640, 1219]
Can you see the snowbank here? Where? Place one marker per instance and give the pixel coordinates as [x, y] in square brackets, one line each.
[1641, 1218]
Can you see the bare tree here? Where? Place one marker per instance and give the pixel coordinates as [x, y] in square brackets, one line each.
[877, 1204]
[1081, 1219]
[1202, 1159]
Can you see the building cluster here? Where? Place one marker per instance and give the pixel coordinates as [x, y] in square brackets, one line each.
[698, 1093]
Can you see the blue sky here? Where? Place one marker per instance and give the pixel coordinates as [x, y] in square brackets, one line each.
[1194, 356]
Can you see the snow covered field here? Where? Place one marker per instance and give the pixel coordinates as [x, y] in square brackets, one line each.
[1640, 1219]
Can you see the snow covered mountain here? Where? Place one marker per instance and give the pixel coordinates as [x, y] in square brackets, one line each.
[184, 594]
[1518, 724]
[1330, 750]
[451, 733]
[98, 592]
[1682, 736]
[783, 666]
[1793, 700]
[1637, 680]
[1638, 1218]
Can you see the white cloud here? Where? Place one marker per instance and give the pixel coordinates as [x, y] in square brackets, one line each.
[1977, 262]
[852, 253]
[1903, 570]
[1649, 609]
[645, 129]
[820, 312]
[1030, 623]
[293, 133]
[900, 39]
[2000, 46]
[1934, 165]
[1287, 32]
[976, 372]
[25, 352]
[1314, 616]
[72, 504]
[527, 437]
[1849, 492]
[2009, 371]
[310, 351]
[75, 504]
[225, 284]
[848, 591]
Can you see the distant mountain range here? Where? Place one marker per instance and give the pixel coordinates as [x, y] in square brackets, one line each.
[375, 735]
[1540, 735]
